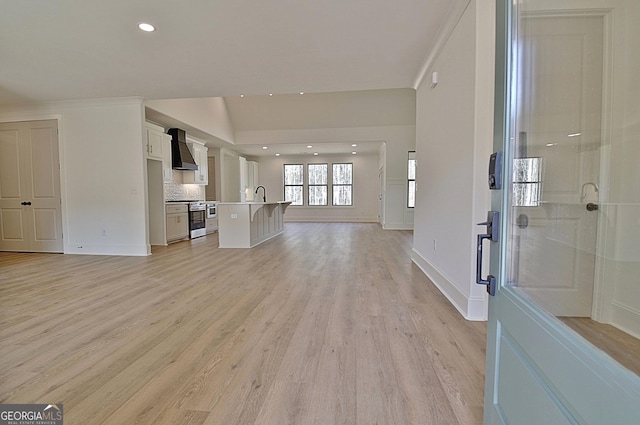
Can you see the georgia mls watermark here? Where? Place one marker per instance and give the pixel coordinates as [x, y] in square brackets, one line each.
[31, 414]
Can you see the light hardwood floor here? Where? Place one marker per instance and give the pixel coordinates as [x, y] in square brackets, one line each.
[621, 346]
[325, 324]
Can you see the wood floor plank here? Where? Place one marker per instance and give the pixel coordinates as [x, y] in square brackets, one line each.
[300, 362]
[428, 402]
[222, 372]
[379, 396]
[329, 323]
[459, 370]
[333, 392]
[286, 404]
[243, 398]
[172, 379]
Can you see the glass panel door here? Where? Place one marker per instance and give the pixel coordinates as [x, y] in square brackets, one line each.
[557, 157]
[568, 256]
[570, 198]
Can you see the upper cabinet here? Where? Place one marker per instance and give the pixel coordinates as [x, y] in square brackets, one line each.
[154, 141]
[167, 169]
[158, 146]
[201, 175]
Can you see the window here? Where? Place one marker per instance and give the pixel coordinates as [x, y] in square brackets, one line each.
[342, 184]
[527, 181]
[317, 184]
[293, 183]
[411, 177]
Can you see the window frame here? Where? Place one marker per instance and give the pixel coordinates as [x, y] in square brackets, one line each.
[285, 185]
[335, 185]
[314, 185]
[411, 158]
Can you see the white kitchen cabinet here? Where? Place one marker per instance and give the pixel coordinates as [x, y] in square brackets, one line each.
[247, 224]
[167, 170]
[211, 225]
[177, 222]
[154, 142]
[201, 175]
[158, 146]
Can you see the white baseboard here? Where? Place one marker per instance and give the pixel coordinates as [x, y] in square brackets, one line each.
[397, 226]
[625, 318]
[328, 220]
[94, 249]
[471, 308]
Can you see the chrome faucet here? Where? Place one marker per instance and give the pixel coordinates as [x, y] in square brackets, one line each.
[583, 192]
[264, 193]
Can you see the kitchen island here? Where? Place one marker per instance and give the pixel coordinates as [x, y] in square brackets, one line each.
[247, 224]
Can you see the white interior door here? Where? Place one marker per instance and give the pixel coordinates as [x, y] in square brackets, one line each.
[538, 370]
[30, 201]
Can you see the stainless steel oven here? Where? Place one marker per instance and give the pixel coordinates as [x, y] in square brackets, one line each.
[197, 217]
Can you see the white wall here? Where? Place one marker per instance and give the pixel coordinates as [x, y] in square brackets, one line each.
[397, 216]
[365, 188]
[454, 132]
[103, 173]
[208, 114]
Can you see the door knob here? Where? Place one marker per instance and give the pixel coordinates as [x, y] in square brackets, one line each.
[25, 203]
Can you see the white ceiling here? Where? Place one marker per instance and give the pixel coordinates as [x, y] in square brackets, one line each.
[256, 117]
[72, 49]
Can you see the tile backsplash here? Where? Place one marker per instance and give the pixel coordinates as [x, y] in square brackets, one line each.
[178, 191]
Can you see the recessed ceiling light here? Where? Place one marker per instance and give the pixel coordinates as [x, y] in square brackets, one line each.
[309, 146]
[146, 27]
[241, 95]
[277, 154]
[265, 147]
[354, 145]
[353, 153]
[301, 92]
[270, 94]
[315, 153]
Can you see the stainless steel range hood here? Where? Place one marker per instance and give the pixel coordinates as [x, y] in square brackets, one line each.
[181, 157]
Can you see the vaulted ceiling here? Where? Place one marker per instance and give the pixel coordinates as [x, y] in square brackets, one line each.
[72, 49]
